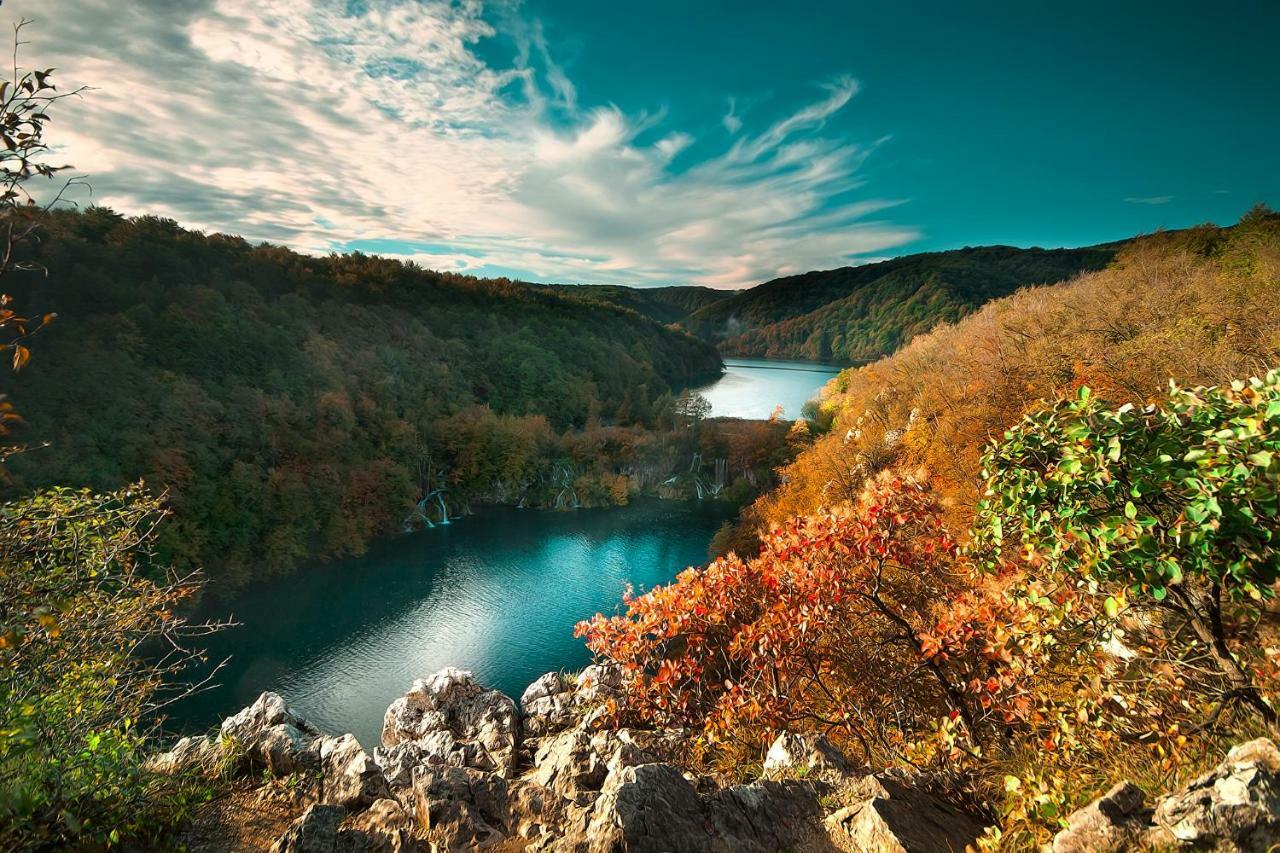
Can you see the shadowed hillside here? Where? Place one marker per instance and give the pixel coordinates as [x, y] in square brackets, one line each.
[664, 304]
[294, 406]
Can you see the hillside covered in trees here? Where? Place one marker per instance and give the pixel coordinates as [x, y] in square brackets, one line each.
[855, 314]
[293, 406]
[665, 304]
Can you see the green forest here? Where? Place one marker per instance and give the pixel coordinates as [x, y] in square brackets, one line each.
[292, 407]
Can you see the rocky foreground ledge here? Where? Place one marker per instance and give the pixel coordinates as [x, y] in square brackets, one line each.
[461, 767]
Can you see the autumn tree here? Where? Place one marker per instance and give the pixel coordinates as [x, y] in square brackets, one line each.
[831, 627]
[25, 100]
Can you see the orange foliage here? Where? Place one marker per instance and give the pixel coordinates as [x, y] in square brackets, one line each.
[834, 625]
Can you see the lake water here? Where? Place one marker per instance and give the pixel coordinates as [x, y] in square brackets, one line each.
[497, 593]
[751, 387]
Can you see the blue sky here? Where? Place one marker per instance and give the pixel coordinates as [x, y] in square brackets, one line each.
[699, 142]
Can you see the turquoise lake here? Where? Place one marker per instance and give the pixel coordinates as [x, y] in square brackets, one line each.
[497, 593]
[751, 387]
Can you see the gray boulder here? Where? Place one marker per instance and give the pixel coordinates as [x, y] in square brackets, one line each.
[793, 755]
[190, 754]
[349, 777]
[461, 808]
[1236, 806]
[654, 807]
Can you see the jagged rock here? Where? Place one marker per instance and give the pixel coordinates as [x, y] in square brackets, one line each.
[599, 681]
[1236, 806]
[544, 686]
[816, 757]
[190, 754]
[653, 807]
[575, 763]
[461, 808]
[1112, 822]
[550, 704]
[569, 764]
[268, 710]
[650, 807]
[349, 777]
[453, 701]
[268, 735]
[889, 815]
[315, 832]
[385, 827]
[767, 816]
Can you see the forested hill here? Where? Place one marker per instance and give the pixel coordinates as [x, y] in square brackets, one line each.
[292, 406]
[664, 304]
[861, 313]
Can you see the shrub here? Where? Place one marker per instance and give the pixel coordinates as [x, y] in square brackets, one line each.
[1174, 506]
[827, 628]
[89, 644]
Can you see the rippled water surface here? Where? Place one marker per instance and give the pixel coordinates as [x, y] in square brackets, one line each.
[497, 593]
[751, 387]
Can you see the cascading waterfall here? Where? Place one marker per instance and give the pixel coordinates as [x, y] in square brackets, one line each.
[422, 512]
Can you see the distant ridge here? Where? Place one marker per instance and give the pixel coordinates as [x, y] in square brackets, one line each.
[855, 314]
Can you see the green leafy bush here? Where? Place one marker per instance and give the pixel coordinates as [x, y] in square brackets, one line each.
[1174, 505]
[89, 645]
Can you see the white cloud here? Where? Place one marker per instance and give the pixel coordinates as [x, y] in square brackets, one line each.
[1152, 199]
[316, 123]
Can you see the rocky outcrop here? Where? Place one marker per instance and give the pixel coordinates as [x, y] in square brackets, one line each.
[1115, 821]
[461, 767]
[793, 754]
[888, 814]
[450, 716]
[1236, 806]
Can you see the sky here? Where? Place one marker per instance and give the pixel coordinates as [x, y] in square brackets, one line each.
[693, 142]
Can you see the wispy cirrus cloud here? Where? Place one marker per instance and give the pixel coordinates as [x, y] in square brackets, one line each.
[326, 124]
[1151, 199]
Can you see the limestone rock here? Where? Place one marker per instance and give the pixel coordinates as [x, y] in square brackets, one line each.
[550, 704]
[349, 777]
[650, 807]
[889, 815]
[385, 827]
[268, 710]
[316, 831]
[461, 808]
[767, 816]
[810, 757]
[190, 754]
[653, 807]
[1236, 806]
[1112, 822]
[575, 763]
[599, 681]
[484, 724]
[268, 735]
